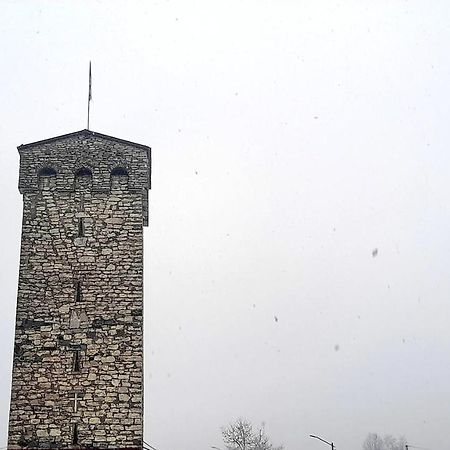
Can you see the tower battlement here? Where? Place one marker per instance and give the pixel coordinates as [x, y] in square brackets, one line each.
[102, 155]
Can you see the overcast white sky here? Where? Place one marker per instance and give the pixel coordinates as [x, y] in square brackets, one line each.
[290, 139]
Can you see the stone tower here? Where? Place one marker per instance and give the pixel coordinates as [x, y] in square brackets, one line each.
[77, 377]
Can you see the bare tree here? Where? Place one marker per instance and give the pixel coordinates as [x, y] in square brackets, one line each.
[392, 443]
[374, 441]
[241, 436]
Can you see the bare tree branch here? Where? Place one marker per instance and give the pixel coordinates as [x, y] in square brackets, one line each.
[240, 436]
[374, 441]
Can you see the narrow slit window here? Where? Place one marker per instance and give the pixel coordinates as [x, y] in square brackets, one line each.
[75, 434]
[78, 295]
[76, 361]
[80, 227]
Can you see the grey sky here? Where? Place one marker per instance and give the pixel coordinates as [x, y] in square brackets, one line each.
[290, 139]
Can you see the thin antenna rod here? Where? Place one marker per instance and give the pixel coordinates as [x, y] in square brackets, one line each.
[90, 94]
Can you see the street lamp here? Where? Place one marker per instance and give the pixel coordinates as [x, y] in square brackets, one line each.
[323, 440]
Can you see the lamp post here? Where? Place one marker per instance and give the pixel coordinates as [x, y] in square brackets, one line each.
[331, 444]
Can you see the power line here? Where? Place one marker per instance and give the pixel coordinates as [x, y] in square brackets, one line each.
[146, 443]
[150, 446]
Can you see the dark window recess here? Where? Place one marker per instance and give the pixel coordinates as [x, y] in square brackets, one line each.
[80, 227]
[119, 172]
[75, 434]
[47, 172]
[83, 172]
[76, 361]
[78, 296]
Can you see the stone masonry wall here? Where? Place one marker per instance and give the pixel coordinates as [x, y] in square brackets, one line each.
[78, 357]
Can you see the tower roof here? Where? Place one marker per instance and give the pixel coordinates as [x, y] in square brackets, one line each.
[86, 133]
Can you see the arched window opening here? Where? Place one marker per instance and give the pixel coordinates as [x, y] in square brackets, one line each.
[83, 178]
[119, 178]
[83, 172]
[119, 172]
[47, 178]
[47, 172]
